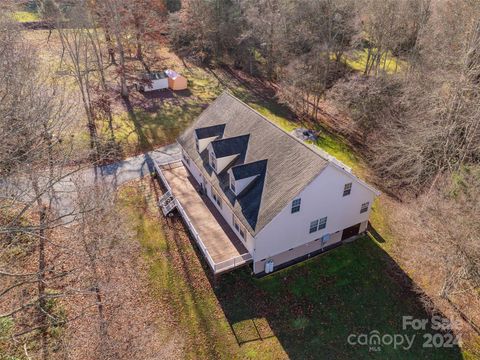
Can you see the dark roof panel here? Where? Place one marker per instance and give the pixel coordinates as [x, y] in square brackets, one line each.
[230, 146]
[210, 131]
[250, 169]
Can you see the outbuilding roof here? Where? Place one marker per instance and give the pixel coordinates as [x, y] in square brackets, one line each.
[290, 164]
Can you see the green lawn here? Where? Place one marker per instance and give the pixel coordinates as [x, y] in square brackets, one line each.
[304, 312]
[167, 118]
[26, 16]
[357, 60]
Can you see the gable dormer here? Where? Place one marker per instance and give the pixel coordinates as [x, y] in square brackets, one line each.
[223, 152]
[204, 136]
[242, 177]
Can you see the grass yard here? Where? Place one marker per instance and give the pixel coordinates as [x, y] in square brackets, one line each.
[303, 312]
[26, 16]
[357, 60]
[160, 117]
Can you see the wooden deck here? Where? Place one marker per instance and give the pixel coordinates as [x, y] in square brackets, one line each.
[222, 245]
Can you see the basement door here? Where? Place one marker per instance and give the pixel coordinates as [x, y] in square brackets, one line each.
[350, 231]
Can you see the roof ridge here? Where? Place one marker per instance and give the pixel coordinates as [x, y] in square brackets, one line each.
[277, 127]
[231, 137]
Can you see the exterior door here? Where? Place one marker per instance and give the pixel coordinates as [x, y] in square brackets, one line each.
[350, 231]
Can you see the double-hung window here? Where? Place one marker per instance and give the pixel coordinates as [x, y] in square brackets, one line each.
[322, 223]
[318, 224]
[364, 207]
[296, 205]
[347, 189]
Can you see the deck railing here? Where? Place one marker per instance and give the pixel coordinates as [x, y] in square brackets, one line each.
[195, 235]
[233, 262]
[216, 267]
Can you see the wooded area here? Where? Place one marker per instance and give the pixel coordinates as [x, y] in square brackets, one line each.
[402, 75]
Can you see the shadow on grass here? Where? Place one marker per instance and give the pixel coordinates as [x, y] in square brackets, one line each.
[141, 130]
[374, 234]
[313, 307]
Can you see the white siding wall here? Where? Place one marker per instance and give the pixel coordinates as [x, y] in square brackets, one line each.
[323, 197]
[241, 184]
[223, 162]
[157, 85]
[203, 143]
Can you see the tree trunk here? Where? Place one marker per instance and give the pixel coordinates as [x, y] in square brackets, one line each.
[111, 51]
[42, 308]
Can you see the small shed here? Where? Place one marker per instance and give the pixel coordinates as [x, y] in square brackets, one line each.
[175, 80]
[153, 81]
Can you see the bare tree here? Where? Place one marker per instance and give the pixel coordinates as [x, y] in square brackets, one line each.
[34, 118]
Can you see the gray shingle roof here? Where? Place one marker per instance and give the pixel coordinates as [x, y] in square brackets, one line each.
[291, 164]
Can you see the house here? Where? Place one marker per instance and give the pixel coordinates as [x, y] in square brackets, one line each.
[176, 81]
[277, 199]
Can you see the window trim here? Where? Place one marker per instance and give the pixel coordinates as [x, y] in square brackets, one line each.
[347, 189]
[322, 222]
[197, 144]
[317, 225]
[213, 161]
[296, 206]
[232, 183]
[365, 207]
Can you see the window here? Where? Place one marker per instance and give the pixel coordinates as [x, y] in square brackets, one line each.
[319, 224]
[213, 162]
[347, 189]
[364, 207]
[216, 198]
[196, 145]
[322, 223]
[232, 183]
[238, 227]
[296, 205]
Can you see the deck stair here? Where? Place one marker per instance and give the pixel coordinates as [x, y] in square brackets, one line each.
[167, 202]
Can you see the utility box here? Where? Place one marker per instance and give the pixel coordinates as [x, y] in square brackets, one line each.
[269, 267]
